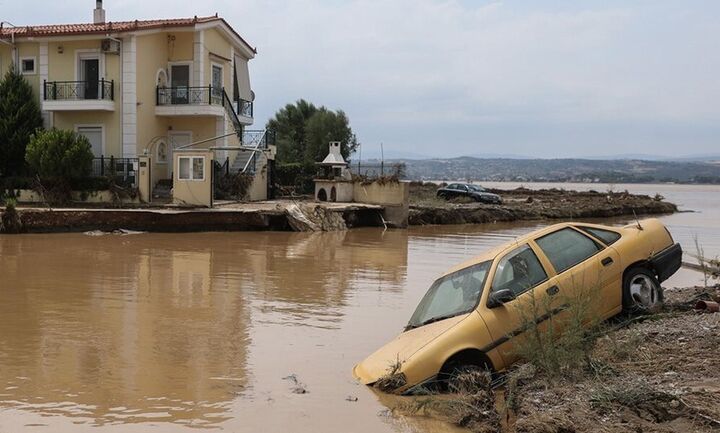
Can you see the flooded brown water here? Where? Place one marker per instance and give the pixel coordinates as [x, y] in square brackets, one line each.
[167, 332]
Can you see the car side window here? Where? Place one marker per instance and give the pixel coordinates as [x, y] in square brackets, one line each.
[519, 271]
[566, 248]
[463, 188]
[607, 236]
[452, 186]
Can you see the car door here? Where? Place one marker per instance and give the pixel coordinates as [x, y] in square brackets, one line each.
[534, 290]
[610, 270]
[584, 268]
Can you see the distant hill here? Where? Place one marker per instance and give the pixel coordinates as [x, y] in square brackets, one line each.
[560, 170]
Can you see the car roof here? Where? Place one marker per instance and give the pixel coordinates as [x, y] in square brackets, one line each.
[501, 249]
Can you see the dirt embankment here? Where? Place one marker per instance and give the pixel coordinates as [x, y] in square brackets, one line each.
[526, 204]
[653, 373]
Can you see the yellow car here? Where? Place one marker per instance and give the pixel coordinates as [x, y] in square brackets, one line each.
[472, 315]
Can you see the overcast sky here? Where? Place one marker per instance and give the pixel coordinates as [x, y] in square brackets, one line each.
[426, 77]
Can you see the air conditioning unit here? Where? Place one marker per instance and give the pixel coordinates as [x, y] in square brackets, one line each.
[110, 46]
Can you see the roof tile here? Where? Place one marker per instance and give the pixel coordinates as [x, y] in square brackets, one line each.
[88, 28]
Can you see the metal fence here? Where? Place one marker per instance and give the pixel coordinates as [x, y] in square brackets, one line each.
[121, 170]
[79, 90]
[378, 169]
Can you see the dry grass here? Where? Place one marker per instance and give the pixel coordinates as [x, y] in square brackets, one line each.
[392, 379]
[561, 345]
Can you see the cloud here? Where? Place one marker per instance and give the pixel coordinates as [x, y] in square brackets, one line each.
[450, 76]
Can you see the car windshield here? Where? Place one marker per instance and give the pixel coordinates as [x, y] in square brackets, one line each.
[476, 188]
[451, 295]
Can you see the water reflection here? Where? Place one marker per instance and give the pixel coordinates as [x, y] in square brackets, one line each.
[126, 329]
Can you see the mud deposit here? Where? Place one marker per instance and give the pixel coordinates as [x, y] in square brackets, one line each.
[527, 204]
[660, 375]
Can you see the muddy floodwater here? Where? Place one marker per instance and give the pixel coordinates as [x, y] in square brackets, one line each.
[239, 332]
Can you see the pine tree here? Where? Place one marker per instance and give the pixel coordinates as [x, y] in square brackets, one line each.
[19, 118]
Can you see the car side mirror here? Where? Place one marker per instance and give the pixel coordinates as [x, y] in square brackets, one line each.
[500, 297]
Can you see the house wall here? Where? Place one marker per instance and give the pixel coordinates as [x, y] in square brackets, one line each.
[216, 44]
[258, 188]
[152, 55]
[181, 49]
[110, 121]
[5, 58]
[63, 66]
[31, 49]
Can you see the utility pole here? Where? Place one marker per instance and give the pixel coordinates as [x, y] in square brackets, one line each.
[382, 160]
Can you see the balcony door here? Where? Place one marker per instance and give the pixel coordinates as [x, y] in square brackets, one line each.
[180, 83]
[217, 83]
[89, 77]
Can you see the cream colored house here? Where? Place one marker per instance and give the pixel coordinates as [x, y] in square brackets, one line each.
[143, 87]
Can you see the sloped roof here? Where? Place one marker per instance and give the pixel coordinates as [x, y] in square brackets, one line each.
[109, 27]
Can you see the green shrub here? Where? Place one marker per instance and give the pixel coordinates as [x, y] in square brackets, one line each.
[10, 221]
[60, 154]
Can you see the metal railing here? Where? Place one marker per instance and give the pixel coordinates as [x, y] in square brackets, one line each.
[244, 108]
[103, 90]
[183, 95]
[122, 170]
[260, 138]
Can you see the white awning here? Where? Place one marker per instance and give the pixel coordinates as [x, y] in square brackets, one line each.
[242, 76]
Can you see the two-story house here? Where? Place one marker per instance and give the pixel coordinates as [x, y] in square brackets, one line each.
[141, 87]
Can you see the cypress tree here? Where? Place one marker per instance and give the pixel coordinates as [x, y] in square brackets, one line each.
[19, 118]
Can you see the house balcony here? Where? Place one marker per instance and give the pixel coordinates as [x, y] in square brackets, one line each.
[79, 95]
[200, 101]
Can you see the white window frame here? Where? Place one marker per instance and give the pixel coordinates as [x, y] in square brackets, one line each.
[35, 65]
[192, 174]
[167, 151]
[94, 125]
[222, 73]
[89, 54]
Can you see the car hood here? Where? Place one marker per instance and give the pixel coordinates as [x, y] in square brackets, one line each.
[401, 349]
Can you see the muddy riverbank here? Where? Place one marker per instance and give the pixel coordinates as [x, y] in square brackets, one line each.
[526, 204]
[289, 215]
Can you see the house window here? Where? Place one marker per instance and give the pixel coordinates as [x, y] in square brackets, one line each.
[94, 134]
[191, 168]
[27, 65]
[162, 152]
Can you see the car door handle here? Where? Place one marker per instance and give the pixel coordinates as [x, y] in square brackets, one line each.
[607, 261]
[552, 291]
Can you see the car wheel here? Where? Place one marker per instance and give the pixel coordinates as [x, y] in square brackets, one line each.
[641, 291]
[468, 379]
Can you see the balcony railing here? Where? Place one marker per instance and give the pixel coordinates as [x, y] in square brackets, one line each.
[183, 95]
[208, 95]
[102, 90]
[244, 108]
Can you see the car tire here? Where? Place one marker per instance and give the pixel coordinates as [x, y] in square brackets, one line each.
[642, 292]
[468, 379]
